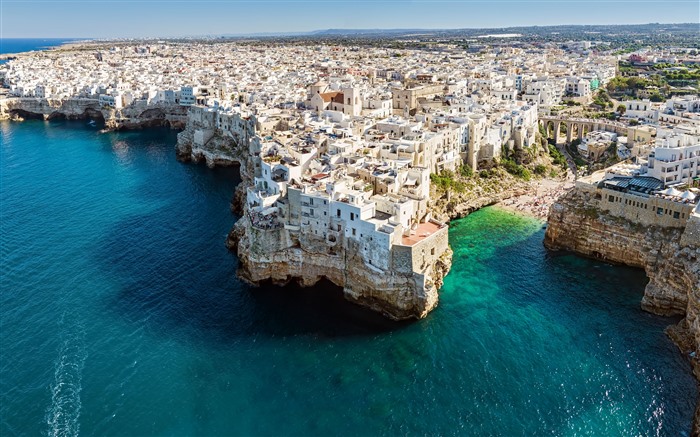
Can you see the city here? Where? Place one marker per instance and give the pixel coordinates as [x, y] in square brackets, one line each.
[357, 154]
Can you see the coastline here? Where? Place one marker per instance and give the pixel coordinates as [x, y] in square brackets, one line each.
[537, 202]
[543, 194]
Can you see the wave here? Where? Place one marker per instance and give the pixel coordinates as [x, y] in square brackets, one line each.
[64, 412]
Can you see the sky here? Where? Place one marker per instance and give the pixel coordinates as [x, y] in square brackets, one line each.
[169, 18]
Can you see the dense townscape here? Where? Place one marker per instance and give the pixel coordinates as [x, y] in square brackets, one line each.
[349, 152]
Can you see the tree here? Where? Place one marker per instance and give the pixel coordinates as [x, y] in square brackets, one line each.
[621, 109]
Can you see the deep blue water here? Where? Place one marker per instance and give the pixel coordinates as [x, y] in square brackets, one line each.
[120, 314]
[18, 45]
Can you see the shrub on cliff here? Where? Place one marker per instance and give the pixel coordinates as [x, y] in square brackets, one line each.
[516, 169]
[446, 181]
[466, 171]
[557, 157]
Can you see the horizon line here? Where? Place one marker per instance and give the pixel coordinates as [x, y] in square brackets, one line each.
[313, 31]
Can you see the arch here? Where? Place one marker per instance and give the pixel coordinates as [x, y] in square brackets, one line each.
[562, 129]
[585, 129]
[575, 131]
[549, 128]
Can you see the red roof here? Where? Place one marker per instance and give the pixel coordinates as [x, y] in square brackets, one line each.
[335, 97]
[319, 176]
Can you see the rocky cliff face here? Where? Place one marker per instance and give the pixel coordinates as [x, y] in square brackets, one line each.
[218, 151]
[282, 256]
[670, 257]
[135, 116]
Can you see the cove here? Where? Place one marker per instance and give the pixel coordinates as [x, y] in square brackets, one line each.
[121, 315]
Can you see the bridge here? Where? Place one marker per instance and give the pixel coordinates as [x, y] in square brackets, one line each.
[578, 127]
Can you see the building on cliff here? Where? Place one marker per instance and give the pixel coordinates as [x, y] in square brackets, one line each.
[320, 200]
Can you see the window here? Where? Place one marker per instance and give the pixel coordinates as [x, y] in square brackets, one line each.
[352, 217]
[659, 211]
[311, 201]
[338, 213]
[676, 215]
[353, 232]
[432, 251]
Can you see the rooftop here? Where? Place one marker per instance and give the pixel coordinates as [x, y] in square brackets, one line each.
[423, 231]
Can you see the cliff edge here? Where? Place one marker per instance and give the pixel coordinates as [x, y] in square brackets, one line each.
[670, 257]
[284, 254]
[135, 116]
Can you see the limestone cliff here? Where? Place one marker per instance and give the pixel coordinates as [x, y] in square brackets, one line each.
[284, 255]
[218, 151]
[136, 116]
[670, 257]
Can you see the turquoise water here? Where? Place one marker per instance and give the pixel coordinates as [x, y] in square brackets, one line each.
[121, 315]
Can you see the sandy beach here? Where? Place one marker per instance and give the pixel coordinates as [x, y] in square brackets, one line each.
[539, 198]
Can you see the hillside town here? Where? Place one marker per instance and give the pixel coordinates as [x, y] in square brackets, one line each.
[346, 138]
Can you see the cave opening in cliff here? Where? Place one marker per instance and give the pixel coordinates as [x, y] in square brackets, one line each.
[319, 310]
[25, 114]
[97, 116]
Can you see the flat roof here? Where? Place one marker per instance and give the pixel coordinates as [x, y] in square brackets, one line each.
[423, 231]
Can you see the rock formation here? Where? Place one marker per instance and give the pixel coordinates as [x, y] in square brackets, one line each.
[136, 116]
[669, 256]
[283, 254]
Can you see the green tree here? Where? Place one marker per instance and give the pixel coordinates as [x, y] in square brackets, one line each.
[621, 109]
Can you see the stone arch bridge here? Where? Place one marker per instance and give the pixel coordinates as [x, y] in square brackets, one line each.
[578, 127]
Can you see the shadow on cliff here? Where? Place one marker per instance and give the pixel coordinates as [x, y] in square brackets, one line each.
[177, 278]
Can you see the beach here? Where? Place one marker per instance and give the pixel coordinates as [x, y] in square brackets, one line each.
[537, 200]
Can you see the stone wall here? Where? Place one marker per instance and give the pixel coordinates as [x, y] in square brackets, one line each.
[647, 211]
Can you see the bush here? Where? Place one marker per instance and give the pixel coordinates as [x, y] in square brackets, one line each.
[466, 171]
[515, 169]
[445, 181]
[540, 170]
[557, 156]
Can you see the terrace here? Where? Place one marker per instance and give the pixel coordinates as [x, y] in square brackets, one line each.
[420, 233]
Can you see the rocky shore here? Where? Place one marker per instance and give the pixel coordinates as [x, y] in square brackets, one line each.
[283, 254]
[538, 200]
[136, 116]
[669, 256]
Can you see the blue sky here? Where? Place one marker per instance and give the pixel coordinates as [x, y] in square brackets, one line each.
[143, 18]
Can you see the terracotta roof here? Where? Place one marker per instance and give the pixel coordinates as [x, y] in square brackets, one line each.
[335, 97]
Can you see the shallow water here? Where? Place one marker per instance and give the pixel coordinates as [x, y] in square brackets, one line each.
[121, 315]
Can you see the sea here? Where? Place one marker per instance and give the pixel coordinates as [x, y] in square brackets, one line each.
[121, 315]
[19, 45]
